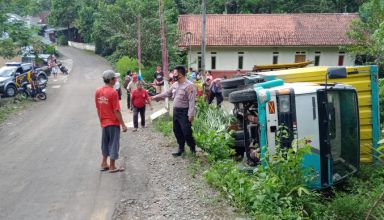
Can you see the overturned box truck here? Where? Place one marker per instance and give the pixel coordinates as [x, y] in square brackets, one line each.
[335, 109]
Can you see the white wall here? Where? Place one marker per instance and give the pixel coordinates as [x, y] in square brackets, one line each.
[82, 46]
[227, 58]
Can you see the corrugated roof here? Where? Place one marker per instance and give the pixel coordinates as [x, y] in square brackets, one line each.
[317, 29]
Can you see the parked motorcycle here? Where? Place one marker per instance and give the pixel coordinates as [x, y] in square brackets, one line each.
[25, 90]
[41, 92]
[62, 68]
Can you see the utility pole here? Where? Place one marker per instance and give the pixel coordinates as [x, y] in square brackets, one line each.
[139, 42]
[204, 17]
[164, 48]
[163, 38]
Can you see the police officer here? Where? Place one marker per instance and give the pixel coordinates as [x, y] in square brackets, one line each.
[184, 93]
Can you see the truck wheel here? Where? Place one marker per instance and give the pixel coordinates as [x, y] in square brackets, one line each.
[10, 91]
[246, 95]
[240, 151]
[232, 83]
[239, 135]
[240, 143]
[226, 92]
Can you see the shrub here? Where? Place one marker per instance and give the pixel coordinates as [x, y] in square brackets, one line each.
[62, 40]
[275, 192]
[210, 131]
[147, 74]
[126, 63]
[50, 49]
[164, 125]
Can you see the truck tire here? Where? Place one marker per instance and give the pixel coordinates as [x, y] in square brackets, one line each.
[240, 151]
[226, 92]
[239, 135]
[246, 95]
[240, 143]
[232, 83]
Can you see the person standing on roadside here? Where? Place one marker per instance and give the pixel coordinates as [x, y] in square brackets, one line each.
[108, 110]
[131, 86]
[34, 83]
[216, 92]
[139, 99]
[117, 86]
[207, 84]
[53, 66]
[191, 75]
[184, 93]
[199, 86]
[127, 79]
[159, 80]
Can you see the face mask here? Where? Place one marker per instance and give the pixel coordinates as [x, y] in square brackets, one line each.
[176, 78]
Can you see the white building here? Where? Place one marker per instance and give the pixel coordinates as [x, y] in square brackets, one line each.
[242, 41]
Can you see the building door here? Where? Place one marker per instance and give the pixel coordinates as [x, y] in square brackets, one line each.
[299, 58]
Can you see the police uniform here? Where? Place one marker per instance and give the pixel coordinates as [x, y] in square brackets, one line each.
[184, 96]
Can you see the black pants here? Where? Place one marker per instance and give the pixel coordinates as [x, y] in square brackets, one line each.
[136, 112]
[182, 129]
[219, 98]
[128, 100]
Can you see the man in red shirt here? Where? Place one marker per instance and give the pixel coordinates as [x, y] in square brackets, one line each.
[139, 98]
[108, 110]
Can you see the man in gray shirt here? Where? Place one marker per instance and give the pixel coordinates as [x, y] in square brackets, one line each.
[184, 94]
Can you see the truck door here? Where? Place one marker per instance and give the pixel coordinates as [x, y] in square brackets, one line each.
[339, 134]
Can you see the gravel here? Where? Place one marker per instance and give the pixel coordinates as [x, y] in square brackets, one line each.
[159, 186]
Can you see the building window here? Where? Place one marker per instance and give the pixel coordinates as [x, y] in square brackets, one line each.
[317, 58]
[240, 60]
[213, 62]
[275, 59]
[199, 62]
[300, 57]
[341, 59]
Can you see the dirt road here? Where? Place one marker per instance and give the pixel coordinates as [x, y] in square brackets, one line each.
[50, 155]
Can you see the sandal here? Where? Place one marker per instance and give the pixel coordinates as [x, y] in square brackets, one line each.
[120, 169]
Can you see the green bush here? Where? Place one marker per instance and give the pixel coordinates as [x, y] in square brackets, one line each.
[210, 131]
[62, 40]
[126, 63]
[50, 49]
[164, 125]
[147, 74]
[275, 192]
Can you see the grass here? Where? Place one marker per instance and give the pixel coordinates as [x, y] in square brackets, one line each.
[9, 108]
[164, 125]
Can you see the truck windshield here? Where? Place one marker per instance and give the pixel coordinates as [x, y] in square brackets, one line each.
[343, 130]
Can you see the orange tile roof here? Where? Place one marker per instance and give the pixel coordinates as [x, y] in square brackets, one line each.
[325, 29]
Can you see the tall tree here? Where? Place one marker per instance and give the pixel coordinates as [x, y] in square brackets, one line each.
[13, 34]
[368, 33]
[86, 18]
[63, 13]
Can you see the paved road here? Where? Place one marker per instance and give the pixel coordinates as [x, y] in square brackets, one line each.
[49, 154]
